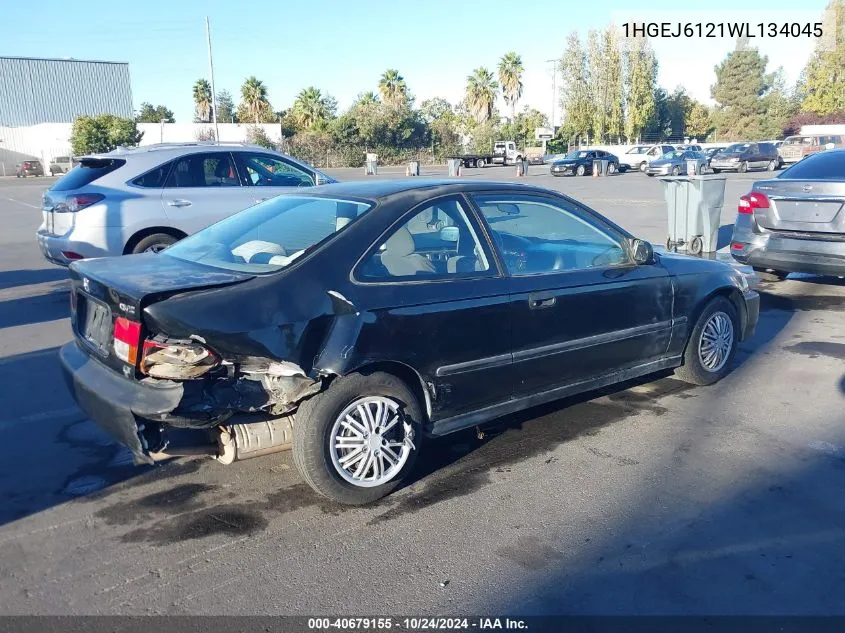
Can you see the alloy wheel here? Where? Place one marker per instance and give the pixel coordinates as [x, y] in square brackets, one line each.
[370, 441]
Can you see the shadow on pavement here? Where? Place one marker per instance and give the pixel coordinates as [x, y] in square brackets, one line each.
[49, 306]
[15, 278]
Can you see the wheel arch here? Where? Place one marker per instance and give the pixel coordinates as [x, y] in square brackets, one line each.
[406, 374]
[730, 293]
[151, 230]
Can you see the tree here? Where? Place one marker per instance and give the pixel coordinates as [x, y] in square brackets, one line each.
[254, 103]
[794, 125]
[698, 124]
[444, 125]
[741, 82]
[510, 78]
[824, 83]
[225, 107]
[257, 136]
[678, 105]
[202, 101]
[659, 126]
[393, 89]
[521, 128]
[779, 106]
[639, 86]
[150, 114]
[614, 90]
[311, 110]
[575, 94]
[481, 94]
[102, 133]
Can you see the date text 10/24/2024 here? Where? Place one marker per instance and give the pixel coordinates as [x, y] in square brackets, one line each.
[722, 29]
[417, 624]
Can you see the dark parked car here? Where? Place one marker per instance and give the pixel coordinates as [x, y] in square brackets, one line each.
[710, 152]
[673, 163]
[29, 168]
[359, 318]
[795, 222]
[744, 156]
[580, 162]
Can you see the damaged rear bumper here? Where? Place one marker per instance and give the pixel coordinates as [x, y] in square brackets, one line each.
[114, 402]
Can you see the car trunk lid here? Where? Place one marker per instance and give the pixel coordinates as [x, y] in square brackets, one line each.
[111, 292]
[809, 206]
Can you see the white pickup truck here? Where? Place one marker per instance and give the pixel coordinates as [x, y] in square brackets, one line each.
[640, 156]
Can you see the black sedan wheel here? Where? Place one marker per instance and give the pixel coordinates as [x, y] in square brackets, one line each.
[581, 170]
[712, 344]
[358, 440]
[611, 169]
[676, 171]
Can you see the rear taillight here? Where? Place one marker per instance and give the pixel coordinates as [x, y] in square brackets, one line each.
[751, 201]
[82, 200]
[177, 360]
[127, 336]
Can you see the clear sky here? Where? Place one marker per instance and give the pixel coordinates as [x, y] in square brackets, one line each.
[343, 47]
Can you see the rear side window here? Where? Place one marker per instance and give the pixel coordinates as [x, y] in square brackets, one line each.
[86, 172]
[155, 178]
[215, 169]
[767, 148]
[821, 166]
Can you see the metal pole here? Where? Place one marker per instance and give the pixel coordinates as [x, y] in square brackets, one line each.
[213, 91]
[553, 62]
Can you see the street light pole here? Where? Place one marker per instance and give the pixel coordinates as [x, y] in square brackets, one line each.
[213, 91]
[553, 62]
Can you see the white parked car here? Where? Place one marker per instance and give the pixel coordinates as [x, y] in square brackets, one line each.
[640, 156]
[141, 199]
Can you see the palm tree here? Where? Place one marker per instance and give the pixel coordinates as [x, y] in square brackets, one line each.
[393, 89]
[481, 94]
[202, 100]
[309, 108]
[510, 76]
[254, 98]
[367, 99]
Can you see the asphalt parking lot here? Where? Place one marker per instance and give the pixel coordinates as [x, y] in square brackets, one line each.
[652, 498]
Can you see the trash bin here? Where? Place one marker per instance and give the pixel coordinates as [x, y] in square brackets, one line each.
[695, 166]
[695, 208]
[600, 167]
[454, 166]
[414, 168]
[371, 168]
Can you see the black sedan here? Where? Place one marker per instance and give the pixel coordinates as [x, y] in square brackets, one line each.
[580, 162]
[356, 319]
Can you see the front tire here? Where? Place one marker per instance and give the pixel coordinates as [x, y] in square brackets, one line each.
[358, 440]
[676, 171]
[580, 170]
[712, 344]
[480, 163]
[743, 167]
[772, 165]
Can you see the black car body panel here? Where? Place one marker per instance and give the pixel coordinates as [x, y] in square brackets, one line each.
[568, 166]
[472, 346]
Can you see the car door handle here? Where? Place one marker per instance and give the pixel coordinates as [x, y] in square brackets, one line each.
[540, 300]
[178, 203]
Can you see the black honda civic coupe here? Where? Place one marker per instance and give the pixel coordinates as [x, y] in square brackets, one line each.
[357, 319]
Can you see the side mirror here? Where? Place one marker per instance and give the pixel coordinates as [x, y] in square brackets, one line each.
[642, 252]
[450, 233]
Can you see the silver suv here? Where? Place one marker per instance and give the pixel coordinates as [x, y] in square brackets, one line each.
[141, 199]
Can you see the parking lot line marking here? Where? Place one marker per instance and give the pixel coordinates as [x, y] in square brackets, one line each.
[26, 204]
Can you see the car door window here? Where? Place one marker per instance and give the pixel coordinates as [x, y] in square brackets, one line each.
[436, 242]
[264, 170]
[537, 235]
[203, 170]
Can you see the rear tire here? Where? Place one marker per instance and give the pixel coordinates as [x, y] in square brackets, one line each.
[480, 163]
[711, 326]
[643, 166]
[315, 424]
[770, 275]
[743, 167]
[771, 166]
[611, 169]
[154, 243]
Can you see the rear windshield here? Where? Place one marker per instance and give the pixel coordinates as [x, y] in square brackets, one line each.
[821, 166]
[270, 235]
[86, 172]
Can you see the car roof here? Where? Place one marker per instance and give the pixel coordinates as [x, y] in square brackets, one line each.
[380, 189]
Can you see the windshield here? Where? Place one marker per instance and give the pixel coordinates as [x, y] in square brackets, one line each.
[736, 148]
[577, 154]
[270, 235]
[678, 153]
[637, 150]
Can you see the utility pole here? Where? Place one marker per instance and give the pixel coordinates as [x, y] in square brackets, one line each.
[213, 91]
[553, 62]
